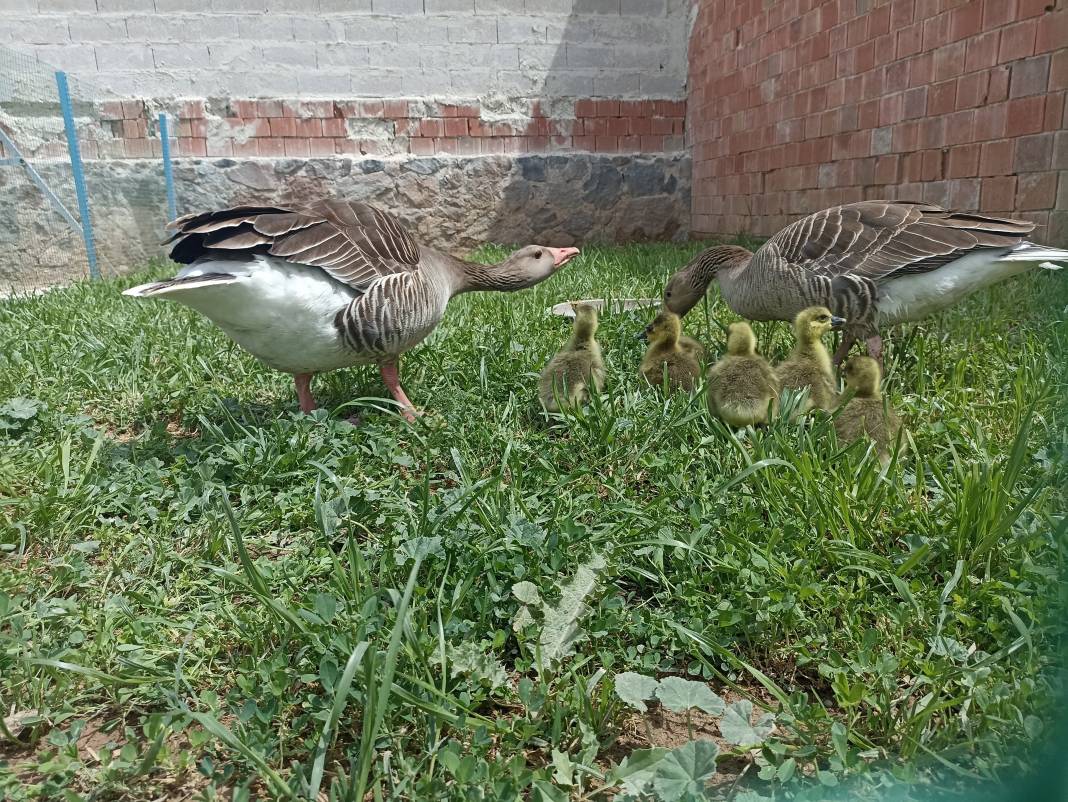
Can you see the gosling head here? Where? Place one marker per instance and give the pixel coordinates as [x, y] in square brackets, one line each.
[664, 329]
[740, 340]
[812, 323]
[585, 321]
[689, 285]
[862, 375]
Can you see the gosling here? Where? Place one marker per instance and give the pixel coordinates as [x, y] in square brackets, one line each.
[666, 356]
[577, 366]
[809, 364]
[742, 386]
[865, 415]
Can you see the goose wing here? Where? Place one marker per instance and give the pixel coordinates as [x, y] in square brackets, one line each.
[352, 241]
[878, 239]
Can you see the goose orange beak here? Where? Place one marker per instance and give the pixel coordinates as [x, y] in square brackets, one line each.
[561, 256]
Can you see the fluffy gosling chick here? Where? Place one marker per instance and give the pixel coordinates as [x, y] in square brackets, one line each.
[865, 414]
[692, 347]
[566, 380]
[809, 364]
[742, 385]
[665, 354]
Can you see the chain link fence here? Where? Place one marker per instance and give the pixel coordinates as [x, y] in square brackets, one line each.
[83, 182]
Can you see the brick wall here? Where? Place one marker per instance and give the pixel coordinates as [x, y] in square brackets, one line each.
[802, 104]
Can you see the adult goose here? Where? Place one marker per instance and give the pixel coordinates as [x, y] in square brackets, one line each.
[319, 286]
[874, 263]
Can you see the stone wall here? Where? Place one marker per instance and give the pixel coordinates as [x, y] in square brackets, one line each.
[802, 104]
[503, 120]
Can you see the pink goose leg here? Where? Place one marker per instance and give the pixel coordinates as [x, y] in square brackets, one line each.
[304, 395]
[843, 349]
[875, 349]
[392, 380]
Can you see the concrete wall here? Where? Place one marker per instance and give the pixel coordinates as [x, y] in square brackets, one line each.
[474, 120]
[802, 104]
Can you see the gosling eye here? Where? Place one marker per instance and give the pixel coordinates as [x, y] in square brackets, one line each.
[667, 294]
[537, 254]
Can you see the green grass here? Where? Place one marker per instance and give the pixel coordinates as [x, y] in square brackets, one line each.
[204, 592]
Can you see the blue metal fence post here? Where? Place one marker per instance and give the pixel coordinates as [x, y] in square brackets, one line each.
[79, 175]
[168, 170]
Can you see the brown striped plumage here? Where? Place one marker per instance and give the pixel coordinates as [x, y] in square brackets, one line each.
[327, 284]
[869, 262]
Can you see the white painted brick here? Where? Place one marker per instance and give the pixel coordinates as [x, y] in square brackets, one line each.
[209, 28]
[471, 82]
[378, 83]
[539, 57]
[39, 30]
[26, 6]
[342, 54]
[662, 85]
[233, 6]
[521, 30]
[596, 7]
[474, 30]
[550, 6]
[237, 56]
[311, 29]
[325, 84]
[423, 84]
[344, 6]
[292, 6]
[124, 6]
[176, 6]
[634, 31]
[261, 83]
[67, 57]
[615, 85]
[499, 6]
[577, 29]
[124, 57]
[644, 8]
[586, 56]
[63, 6]
[98, 29]
[394, 56]
[289, 56]
[179, 56]
[452, 57]
[263, 27]
[397, 7]
[371, 29]
[449, 6]
[568, 84]
[427, 30]
[514, 82]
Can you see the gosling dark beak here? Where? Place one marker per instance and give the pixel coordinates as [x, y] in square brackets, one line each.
[837, 322]
[643, 335]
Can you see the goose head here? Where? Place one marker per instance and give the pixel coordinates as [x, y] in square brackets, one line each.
[862, 375]
[740, 340]
[664, 329]
[689, 285]
[811, 324]
[533, 264]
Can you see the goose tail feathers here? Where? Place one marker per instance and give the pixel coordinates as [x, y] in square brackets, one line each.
[181, 284]
[1030, 252]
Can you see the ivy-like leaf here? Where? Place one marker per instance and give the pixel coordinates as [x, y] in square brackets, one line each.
[679, 695]
[684, 771]
[418, 548]
[736, 729]
[20, 408]
[526, 592]
[635, 689]
[469, 659]
[560, 630]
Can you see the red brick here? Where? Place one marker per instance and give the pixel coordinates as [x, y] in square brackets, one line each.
[375, 109]
[468, 146]
[886, 169]
[964, 194]
[935, 31]
[982, 51]
[268, 108]
[462, 110]
[921, 69]
[998, 89]
[112, 110]
[271, 146]
[998, 12]
[932, 167]
[949, 61]
[670, 108]
[191, 110]
[990, 121]
[868, 114]
[395, 109]
[1029, 76]
[906, 137]
[585, 108]
[960, 127]
[927, 8]
[942, 98]
[246, 109]
[662, 125]
[283, 126]
[996, 157]
[630, 144]
[345, 147]
[1052, 31]
[295, 147]
[892, 109]
[1025, 115]
[620, 126]
[1033, 153]
[901, 13]
[321, 147]
[421, 146]
[965, 20]
[1036, 191]
[932, 132]
[971, 89]
[606, 144]
[912, 167]
[909, 40]
[1032, 8]
[334, 127]
[1060, 157]
[132, 109]
[455, 126]
[1058, 70]
[998, 194]
[878, 21]
[309, 128]
[1017, 41]
[432, 127]
[963, 161]
[606, 108]
[652, 144]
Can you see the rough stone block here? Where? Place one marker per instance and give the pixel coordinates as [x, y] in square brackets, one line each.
[123, 57]
[478, 30]
[521, 30]
[42, 30]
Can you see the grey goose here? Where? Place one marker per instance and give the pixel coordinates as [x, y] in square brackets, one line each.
[314, 287]
[874, 263]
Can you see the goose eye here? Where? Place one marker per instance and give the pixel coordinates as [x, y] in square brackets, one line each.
[667, 294]
[537, 254]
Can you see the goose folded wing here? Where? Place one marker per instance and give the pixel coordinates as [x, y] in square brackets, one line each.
[878, 239]
[352, 241]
